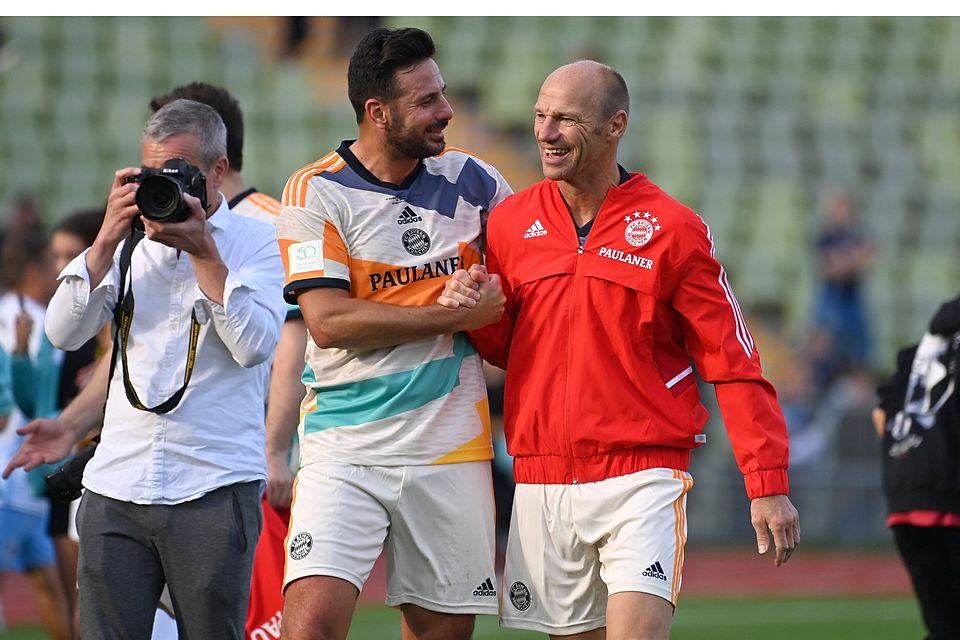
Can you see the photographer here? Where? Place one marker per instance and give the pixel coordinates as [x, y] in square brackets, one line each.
[181, 455]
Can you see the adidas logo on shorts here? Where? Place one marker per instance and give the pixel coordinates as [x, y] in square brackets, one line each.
[655, 571]
[408, 216]
[485, 589]
[535, 230]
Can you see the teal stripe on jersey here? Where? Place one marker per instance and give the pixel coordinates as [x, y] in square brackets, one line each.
[386, 396]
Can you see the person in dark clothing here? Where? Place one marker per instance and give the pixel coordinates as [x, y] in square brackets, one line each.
[919, 420]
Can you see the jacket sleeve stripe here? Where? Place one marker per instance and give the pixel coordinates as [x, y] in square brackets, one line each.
[743, 334]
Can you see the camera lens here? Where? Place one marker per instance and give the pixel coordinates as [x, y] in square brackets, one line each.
[159, 197]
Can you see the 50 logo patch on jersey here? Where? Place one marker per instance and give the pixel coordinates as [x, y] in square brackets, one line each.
[305, 256]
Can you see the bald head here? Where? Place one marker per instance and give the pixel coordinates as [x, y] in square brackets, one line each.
[589, 78]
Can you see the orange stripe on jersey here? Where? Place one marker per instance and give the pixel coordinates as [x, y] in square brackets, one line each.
[333, 245]
[471, 255]
[285, 253]
[292, 186]
[469, 153]
[304, 181]
[325, 160]
[265, 202]
[414, 285]
[467, 452]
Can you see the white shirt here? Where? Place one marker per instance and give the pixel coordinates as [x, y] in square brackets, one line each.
[215, 436]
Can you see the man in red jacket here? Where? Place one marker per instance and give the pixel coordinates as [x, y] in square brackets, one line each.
[613, 293]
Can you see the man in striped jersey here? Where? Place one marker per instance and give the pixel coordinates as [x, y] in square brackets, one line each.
[612, 292]
[395, 434]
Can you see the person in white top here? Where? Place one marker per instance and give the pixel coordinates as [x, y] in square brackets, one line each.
[172, 493]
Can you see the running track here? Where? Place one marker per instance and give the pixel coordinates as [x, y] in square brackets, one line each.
[728, 573]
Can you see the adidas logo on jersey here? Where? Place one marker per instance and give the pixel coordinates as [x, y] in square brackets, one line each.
[655, 571]
[408, 216]
[535, 230]
[485, 589]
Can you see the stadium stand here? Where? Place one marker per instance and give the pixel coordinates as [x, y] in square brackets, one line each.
[747, 120]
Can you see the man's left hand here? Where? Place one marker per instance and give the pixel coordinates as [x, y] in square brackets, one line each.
[777, 515]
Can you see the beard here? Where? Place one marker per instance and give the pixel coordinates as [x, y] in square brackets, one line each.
[411, 142]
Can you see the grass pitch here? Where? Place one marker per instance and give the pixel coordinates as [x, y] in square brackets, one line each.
[699, 619]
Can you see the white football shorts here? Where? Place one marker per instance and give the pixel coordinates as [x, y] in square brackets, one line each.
[571, 546]
[437, 522]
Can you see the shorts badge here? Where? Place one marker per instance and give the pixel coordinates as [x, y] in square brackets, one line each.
[519, 596]
[301, 545]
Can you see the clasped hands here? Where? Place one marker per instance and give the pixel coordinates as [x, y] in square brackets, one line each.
[476, 291]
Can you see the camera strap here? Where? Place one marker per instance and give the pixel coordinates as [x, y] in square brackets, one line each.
[123, 318]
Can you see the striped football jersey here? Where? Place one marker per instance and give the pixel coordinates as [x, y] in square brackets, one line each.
[256, 205]
[423, 402]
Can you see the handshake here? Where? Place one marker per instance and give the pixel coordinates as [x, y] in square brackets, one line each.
[478, 293]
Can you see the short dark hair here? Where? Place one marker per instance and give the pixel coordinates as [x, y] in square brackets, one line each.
[85, 224]
[20, 249]
[377, 57]
[223, 103]
[616, 96]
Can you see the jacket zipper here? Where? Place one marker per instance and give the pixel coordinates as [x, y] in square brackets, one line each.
[566, 414]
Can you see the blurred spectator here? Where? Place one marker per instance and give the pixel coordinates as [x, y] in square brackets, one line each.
[24, 215]
[296, 33]
[70, 237]
[919, 420]
[24, 543]
[841, 335]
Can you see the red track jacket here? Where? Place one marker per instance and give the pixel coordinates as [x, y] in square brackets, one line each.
[598, 341]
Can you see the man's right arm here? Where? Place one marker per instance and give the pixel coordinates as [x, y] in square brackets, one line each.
[117, 221]
[334, 319]
[81, 306]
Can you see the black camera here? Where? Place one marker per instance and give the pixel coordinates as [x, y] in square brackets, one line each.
[66, 482]
[160, 196]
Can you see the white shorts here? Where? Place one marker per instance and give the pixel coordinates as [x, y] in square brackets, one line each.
[437, 522]
[571, 546]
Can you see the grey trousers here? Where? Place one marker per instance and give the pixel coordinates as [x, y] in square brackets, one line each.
[203, 549]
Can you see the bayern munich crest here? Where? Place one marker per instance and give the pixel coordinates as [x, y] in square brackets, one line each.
[520, 596]
[640, 228]
[301, 545]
